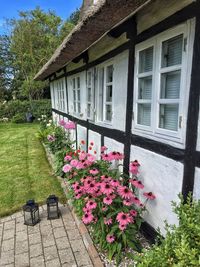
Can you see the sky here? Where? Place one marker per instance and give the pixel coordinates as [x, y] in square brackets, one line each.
[9, 9]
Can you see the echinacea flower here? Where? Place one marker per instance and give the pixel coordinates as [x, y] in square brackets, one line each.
[122, 227]
[67, 158]
[91, 205]
[61, 122]
[87, 218]
[69, 125]
[133, 213]
[108, 221]
[74, 162]
[136, 183]
[110, 238]
[67, 168]
[125, 192]
[103, 148]
[107, 200]
[149, 195]
[124, 218]
[106, 188]
[94, 171]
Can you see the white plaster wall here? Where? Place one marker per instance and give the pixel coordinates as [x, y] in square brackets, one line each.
[198, 136]
[196, 192]
[163, 177]
[96, 139]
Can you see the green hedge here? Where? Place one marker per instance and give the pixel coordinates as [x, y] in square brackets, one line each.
[18, 109]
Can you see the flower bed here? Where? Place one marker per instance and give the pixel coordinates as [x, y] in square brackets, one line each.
[104, 198]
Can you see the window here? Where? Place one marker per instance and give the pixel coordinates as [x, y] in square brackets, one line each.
[105, 83]
[59, 94]
[90, 94]
[160, 83]
[76, 95]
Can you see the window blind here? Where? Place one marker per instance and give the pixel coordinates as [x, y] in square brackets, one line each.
[146, 60]
[144, 114]
[169, 117]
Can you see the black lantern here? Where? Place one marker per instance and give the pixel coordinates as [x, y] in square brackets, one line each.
[31, 213]
[52, 207]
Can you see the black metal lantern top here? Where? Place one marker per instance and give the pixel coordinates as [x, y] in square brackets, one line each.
[52, 207]
[31, 213]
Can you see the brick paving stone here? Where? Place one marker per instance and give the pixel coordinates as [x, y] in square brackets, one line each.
[7, 234]
[7, 258]
[50, 253]
[73, 234]
[56, 223]
[69, 265]
[77, 245]
[48, 240]
[21, 236]
[33, 229]
[82, 258]
[59, 232]
[20, 227]
[6, 219]
[66, 256]
[9, 225]
[36, 250]
[53, 263]
[21, 247]
[37, 262]
[46, 229]
[7, 245]
[62, 243]
[34, 238]
[22, 260]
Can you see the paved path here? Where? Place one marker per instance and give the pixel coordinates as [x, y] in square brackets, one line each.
[47, 244]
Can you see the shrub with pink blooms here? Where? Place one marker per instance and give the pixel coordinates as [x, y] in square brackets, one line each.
[106, 200]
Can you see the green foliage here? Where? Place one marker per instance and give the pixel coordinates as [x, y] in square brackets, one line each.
[181, 246]
[16, 109]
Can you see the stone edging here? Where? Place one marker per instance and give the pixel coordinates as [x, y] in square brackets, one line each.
[82, 228]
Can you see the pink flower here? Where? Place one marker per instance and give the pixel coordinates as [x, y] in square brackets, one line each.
[136, 201]
[136, 183]
[125, 192]
[87, 218]
[94, 171]
[82, 155]
[61, 122]
[51, 138]
[91, 158]
[103, 148]
[67, 158]
[107, 200]
[133, 167]
[69, 125]
[67, 168]
[114, 183]
[110, 238]
[91, 205]
[106, 188]
[127, 202]
[133, 213]
[124, 218]
[149, 195]
[104, 208]
[74, 162]
[80, 166]
[122, 227]
[107, 221]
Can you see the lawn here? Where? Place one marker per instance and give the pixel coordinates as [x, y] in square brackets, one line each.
[24, 170]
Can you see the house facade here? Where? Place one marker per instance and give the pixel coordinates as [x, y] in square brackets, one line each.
[129, 76]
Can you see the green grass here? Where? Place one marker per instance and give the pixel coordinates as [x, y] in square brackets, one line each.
[24, 170]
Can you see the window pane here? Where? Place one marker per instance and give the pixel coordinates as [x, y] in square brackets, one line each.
[109, 74]
[100, 100]
[89, 94]
[74, 83]
[146, 60]
[89, 78]
[74, 95]
[145, 88]
[172, 51]
[88, 110]
[74, 106]
[170, 85]
[144, 114]
[169, 117]
[108, 113]
[78, 95]
[79, 107]
[78, 82]
[109, 93]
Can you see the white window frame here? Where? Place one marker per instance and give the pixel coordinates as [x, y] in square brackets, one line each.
[90, 86]
[101, 110]
[76, 91]
[153, 131]
[59, 90]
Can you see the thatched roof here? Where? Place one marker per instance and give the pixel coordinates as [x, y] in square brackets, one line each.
[99, 19]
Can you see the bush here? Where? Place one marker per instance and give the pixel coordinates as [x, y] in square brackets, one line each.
[181, 246]
[19, 108]
[18, 118]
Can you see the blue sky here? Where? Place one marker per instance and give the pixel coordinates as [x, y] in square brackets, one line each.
[10, 8]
